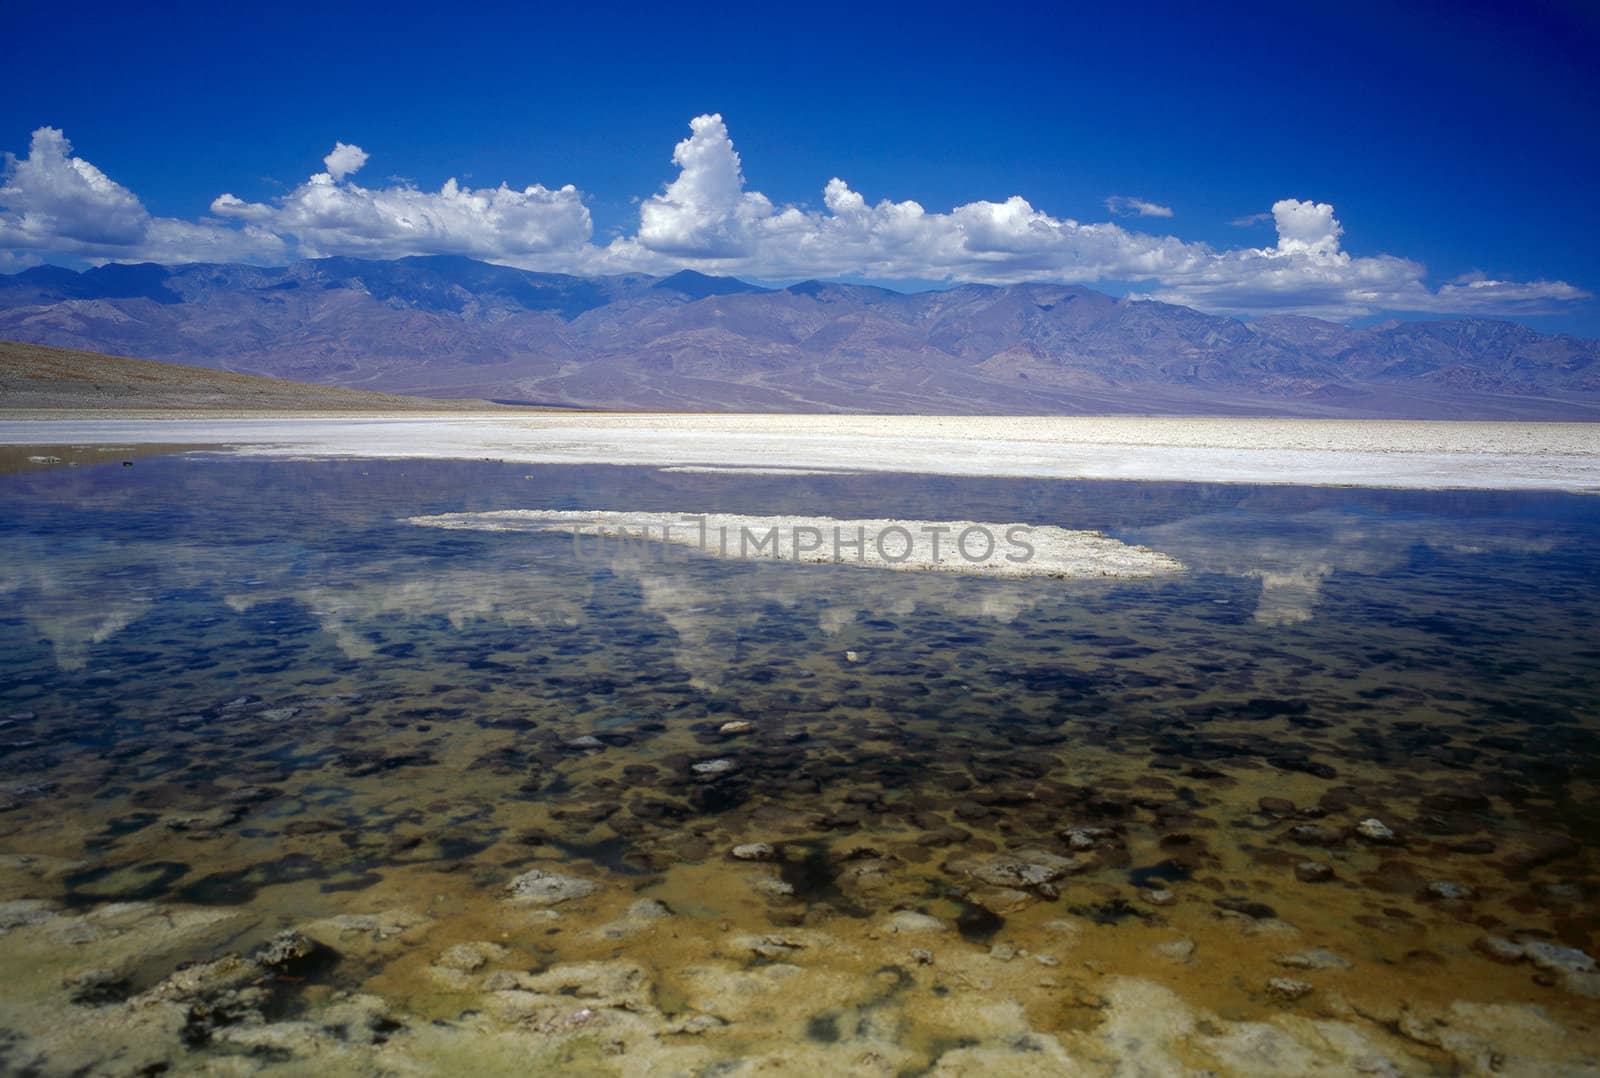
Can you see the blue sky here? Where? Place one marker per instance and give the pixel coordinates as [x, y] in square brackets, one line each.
[1424, 160]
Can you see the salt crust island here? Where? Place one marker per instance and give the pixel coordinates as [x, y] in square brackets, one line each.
[951, 546]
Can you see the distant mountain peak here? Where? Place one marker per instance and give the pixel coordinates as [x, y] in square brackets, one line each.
[700, 285]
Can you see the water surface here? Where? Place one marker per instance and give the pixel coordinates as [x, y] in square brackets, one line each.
[248, 687]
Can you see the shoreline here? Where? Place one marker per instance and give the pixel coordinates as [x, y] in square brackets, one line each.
[1399, 454]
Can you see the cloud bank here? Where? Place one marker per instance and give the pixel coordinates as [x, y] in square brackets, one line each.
[330, 214]
[54, 204]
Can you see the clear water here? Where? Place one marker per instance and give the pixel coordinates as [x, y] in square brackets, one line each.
[252, 686]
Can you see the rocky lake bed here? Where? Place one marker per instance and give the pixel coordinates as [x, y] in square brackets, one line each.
[326, 792]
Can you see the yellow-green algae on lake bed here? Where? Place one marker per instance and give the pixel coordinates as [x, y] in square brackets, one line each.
[671, 817]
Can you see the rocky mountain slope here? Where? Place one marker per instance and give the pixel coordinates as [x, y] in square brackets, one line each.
[451, 326]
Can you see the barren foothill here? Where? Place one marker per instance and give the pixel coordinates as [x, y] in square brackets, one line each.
[38, 382]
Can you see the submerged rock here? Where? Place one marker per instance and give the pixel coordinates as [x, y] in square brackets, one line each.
[1500, 949]
[1318, 959]
[470, 957]
[1147, 1029]
[363, 935]
[24, 911]
[92, 987]
[1258, 911]
[1067, 929]
[1023, 869]
[1558, 959]
[618, 984]
[870, 874]
[772, 886]
[205, 824]
[640, 917]
[770, 946]
[1313, 872]
[1287, 988]
[1001, 901]
[250, 795]
[1177, 950]
[755, 851]
[649, 909]
[542, 887]
[285, 950]
[694, 1024]
[1089, 838]
[1376, 831]
[202, 979]
[1582, 984]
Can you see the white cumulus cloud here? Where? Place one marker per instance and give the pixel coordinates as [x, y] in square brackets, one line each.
[344, 159]
[706, 217]
[1308, 272]
[1306, 227]
[1123, 206]
[229, 206]
[331, 215]
[705, 212]
[54, 203]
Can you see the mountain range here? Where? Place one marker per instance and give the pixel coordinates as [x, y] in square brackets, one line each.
[451, 326]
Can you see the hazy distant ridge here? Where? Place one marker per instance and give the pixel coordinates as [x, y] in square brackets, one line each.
[444, 325]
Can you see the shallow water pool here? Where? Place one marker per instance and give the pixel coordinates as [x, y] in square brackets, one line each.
[1328, 796]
